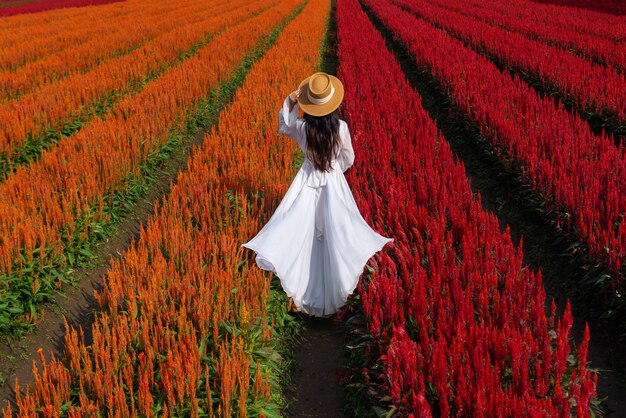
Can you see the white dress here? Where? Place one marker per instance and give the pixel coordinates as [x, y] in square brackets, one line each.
[316, 242]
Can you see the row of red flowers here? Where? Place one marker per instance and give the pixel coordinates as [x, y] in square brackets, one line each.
[460, 322]
[575, 171]
[606, 6]
[592, 87]
[580, 20]
[586, 21]
[550, 30]
[185, 328]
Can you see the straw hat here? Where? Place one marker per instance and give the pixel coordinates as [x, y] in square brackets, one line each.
[320, 94]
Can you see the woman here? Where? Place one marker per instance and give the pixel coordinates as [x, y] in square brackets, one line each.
[316, 241]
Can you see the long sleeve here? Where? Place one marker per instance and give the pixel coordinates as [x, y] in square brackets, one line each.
[289, 124]
[346, 154]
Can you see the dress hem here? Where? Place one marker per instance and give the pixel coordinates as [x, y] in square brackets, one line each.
[344, 295]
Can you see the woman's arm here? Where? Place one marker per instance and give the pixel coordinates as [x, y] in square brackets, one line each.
[346, 155]
[288, 123]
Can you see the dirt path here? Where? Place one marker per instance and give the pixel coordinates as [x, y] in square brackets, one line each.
[315, 392]
[77, 304]
[318, 356]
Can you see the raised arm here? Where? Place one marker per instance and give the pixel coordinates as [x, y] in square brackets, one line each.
[346, 154]
[288, 122]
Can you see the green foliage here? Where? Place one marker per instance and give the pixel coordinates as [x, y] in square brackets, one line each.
[365, 393]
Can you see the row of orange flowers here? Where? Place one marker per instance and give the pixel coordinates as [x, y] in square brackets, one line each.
[56, 104]
[53, 59]
[25, 44]
[159, 345]
[43, 221]
[54, 23]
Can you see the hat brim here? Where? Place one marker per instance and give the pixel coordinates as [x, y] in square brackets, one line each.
[323, 109]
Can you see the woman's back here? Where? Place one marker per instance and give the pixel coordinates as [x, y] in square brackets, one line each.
[291, 125]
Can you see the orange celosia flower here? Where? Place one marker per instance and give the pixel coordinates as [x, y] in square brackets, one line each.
[176, 285]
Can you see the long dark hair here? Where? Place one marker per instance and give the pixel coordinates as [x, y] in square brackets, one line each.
[322, 138]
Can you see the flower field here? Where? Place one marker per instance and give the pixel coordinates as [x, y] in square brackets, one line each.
[561, 30]
[574, 170]
[31, 118]
[30, 64]
[170, 303]
[93, 99]
[461, 324]
[51, 219]
[591, 87]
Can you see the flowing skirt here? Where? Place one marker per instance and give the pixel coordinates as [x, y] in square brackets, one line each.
[317, 242]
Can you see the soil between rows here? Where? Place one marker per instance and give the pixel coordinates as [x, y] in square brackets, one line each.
[315, 390]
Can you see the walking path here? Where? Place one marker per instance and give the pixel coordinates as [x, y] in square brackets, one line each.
[318, 359]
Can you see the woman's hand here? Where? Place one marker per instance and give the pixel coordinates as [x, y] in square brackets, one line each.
[293, 96]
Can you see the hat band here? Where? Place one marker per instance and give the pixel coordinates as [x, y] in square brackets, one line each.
[322, 100]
